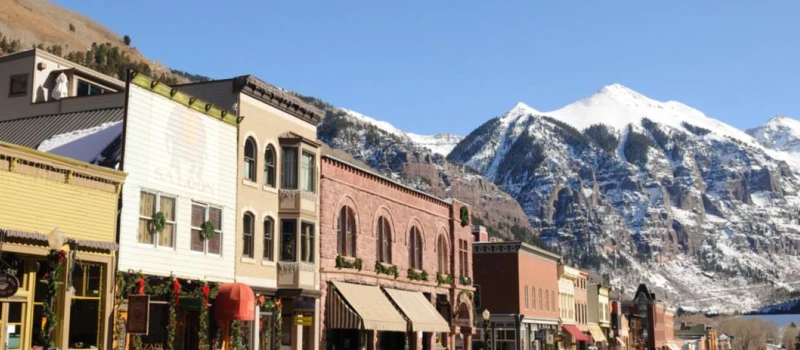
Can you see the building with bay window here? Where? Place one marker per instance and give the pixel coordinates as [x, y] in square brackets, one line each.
[277, 244]
[395, 264]
[56, 214]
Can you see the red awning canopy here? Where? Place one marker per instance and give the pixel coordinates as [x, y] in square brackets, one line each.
[576, 333]
[235, 301]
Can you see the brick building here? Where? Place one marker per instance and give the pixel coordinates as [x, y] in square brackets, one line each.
[519, 284]
[383, 245]
[653, 324]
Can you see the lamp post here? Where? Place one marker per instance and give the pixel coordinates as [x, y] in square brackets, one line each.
[486, 336]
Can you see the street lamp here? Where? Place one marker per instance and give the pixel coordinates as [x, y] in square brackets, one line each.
[486, 316]
[56, 239]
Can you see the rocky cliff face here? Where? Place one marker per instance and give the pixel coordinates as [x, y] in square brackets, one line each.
[417, 161]
[779, 133]
[649, 191]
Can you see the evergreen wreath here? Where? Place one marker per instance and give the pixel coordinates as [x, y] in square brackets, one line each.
[464, 216]
[159, 221]
[208, 230]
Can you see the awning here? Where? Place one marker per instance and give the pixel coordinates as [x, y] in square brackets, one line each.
[672, 346]
[620, 342]
[423, 317]
[576, 333]
[355, 306]
[597, 333]
[235, 301]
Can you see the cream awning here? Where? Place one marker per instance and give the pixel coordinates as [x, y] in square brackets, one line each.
[597, 333]
[672, 346]
[423, 317]
[355, 306]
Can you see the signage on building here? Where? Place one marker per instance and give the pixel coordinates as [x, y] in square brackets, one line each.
[8, 285]
[550, 339]
[301, 320]
[303, 307]
[138, 314]
[539, 335]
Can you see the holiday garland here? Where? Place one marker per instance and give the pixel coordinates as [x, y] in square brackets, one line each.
[464, 216]
[208, 230]
[444, 279]
[159, 221]
[417, 276]
[202, 329]
[341, 262]
[465, 280]
[236, 330]
[382, 269]
[276, 307]
[55, 264]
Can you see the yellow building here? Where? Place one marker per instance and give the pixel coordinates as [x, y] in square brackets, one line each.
[50, 201]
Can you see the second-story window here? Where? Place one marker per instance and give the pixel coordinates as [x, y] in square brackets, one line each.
[149, 204]
[464, 257]
[289, 168]
[346, 232]
[249, 160]
[533, 297]
[269, 166]
[540, 298]
[248, 226]
[202, 213]
[441, 249]
[307, 242]
[288, 240]
[526, 297]
[384, 240]
[553, 300]
[546, 300]
[309, 172]
[18, 85]
[269, 240]
[415, 248]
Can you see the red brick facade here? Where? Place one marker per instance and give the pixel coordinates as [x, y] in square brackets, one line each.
[371, 197]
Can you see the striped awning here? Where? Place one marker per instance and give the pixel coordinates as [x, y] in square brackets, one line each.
[355, 306]
[420, 311]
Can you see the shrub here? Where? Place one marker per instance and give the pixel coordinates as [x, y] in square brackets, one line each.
[127, 40]
[71, 28]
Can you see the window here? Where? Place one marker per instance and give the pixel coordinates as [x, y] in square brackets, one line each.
[346, 232]
[249, 171]
[441, 249]
[84, 324]
[307, 242]
[463, 255]
[247, 235]
[546, 301]
[526, 297]
[18, 85]
[150, 204]
[288, 238]
[540, 299]
[415, 248]
[86, 88]
[289, 168]
[269, 240]
[553, 300]
[533, 297]
[384, 240]
[506, 339]
[269, 166]
[200, 214]
[309, 172]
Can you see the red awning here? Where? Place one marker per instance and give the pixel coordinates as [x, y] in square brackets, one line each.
[235, 301]
[576, 333]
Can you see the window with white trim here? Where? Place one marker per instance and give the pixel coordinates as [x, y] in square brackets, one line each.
[151, 203]
[202, 213]
[269, 239]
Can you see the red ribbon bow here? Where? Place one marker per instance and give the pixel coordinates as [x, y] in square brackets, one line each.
[176, 290]
[141, 286]
[206, 290]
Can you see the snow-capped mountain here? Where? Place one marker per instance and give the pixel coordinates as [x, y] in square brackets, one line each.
[440, 143]
[678, 200]
[779, 133]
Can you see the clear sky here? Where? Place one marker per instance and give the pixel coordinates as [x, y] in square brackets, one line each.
[431, 66]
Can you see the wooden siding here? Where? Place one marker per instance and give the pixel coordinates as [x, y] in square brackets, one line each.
[165, 142]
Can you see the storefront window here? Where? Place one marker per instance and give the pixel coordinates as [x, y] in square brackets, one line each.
[84, 328]
[266, 331]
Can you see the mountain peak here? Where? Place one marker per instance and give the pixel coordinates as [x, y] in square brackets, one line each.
[779, 119]
[521, 109]
[618, 92]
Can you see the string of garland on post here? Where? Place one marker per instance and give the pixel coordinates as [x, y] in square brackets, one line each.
[55, 266]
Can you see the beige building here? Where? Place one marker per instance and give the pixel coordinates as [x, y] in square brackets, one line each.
[599, 313]
[277, 244]
[35, 82]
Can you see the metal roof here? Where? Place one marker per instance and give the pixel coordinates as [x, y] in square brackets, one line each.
[31, 131]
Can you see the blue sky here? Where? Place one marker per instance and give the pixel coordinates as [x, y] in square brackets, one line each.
[431, 66]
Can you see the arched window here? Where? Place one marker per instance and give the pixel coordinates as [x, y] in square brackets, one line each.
[346, 232]
[533, 297]
[269, 166]
[546, 300]
[269, 239]
[553, 301]
[384, 240]
[540, 299]
[526, 298]
[247, 226]
[441, 250]
[249, 171]
[415, 248]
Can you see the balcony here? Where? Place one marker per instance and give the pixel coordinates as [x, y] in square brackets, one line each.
[297, 201]
[296, 275]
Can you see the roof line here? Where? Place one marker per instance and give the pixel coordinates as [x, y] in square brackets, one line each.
[53, 114]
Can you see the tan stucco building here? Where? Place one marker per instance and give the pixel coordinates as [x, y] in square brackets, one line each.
[277, 243]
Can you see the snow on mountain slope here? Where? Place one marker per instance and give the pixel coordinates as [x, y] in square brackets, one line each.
[779, 133]
[440, 143]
